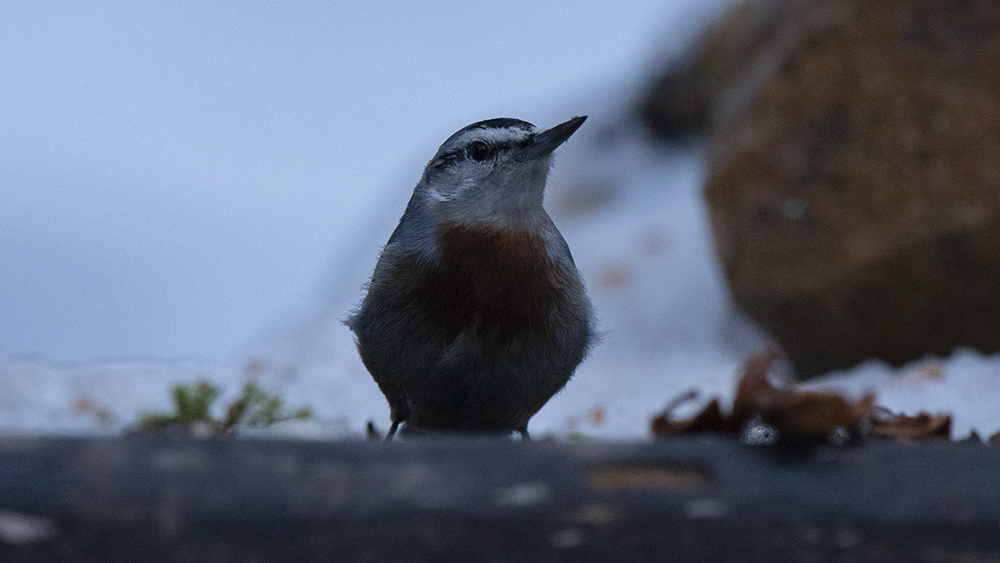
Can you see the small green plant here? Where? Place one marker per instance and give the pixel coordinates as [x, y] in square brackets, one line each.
[192, 406]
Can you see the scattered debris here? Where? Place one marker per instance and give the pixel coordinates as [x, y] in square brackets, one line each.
[756, 433]
[931, 371]
[597, 415]
[102, 415]
[614, 276]
[372, 433]
[798, 417]
[972, 438]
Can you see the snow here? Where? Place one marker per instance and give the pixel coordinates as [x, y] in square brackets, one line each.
[218, 219]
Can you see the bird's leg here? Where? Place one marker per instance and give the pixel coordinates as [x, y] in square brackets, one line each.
[392, 429]
[524, 433]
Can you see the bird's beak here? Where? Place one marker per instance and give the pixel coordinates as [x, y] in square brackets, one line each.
[550, 139]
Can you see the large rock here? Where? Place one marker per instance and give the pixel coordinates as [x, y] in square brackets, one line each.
[679, 97]
[855, 180]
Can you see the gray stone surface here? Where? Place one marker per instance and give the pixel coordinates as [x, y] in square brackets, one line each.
[696, 499]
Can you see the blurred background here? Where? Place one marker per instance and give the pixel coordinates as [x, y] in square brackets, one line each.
[175, 178]
[194, 190]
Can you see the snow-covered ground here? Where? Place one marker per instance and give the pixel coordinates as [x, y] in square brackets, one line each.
[631, 210]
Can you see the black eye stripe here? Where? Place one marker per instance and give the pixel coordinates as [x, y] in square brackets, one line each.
[499, 148]
[455, 156]
[480, 151]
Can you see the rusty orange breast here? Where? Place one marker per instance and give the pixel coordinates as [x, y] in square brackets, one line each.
[490, 281]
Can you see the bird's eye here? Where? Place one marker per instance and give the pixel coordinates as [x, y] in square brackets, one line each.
[479, 151]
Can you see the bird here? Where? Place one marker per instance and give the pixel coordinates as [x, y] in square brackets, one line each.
[476, 315]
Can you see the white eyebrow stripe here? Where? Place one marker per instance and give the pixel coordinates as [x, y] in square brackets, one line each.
[505, 135]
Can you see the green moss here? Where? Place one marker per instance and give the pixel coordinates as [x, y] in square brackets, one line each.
[193, 405]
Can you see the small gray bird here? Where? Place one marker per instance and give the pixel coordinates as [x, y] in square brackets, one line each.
[476, 314]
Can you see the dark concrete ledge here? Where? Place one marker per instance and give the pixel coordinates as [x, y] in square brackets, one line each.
[694, 499]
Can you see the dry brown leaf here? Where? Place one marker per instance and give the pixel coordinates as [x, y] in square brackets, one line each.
[709, 419]
[803, 416]
[751, 385]
[800, 416]
[919, 428]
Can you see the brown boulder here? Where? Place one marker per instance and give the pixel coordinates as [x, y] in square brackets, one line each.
[678, 99]
[855, 180]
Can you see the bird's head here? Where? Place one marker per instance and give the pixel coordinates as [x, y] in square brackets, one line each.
[493, 172]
